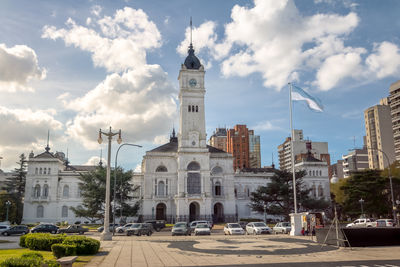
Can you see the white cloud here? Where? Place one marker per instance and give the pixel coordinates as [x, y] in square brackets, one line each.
[94, 161]
[122, 43]
[23, 130]
[385, 61]
[96, 10]
[18, 65]
[266, 126]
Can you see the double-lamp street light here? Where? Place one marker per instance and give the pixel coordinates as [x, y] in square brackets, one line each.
[106, 235]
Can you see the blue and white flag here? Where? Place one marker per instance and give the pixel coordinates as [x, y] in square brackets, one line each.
[313, 103]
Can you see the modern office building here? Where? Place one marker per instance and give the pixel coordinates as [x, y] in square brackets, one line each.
[254, 150]
[355, 160]
[379, 135]
[319, 150]
[238, 146]
[394, 97]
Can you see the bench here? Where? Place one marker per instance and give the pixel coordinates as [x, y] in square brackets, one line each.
[67, 261]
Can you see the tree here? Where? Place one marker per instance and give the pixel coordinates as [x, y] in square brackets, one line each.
[278, 195]
[372, 188]
[15, 187]
[93, 192]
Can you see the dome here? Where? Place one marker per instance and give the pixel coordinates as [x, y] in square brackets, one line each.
[191, 61]
[334, 179]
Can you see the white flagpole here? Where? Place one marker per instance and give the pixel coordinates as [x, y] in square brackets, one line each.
[292, 149]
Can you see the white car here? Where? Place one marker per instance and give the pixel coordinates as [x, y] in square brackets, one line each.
[233, 229]
[4, 228]
[257, 228]
[282, 227]
[362, 222]
[195, 223]
[386, 222]
[122, 229]
[202, 229]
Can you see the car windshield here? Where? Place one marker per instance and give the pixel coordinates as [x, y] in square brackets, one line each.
[259, 224]
[234, 225]
[180, 225]
[135, 225]
[285, 224]
[202, 226]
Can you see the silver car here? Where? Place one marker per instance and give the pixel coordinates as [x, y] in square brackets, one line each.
[282, 228]
[122, 229]
[257, 228]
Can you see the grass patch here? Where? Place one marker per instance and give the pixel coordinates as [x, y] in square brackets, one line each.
[47, 255]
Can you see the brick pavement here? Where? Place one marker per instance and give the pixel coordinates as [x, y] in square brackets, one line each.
[231, 250]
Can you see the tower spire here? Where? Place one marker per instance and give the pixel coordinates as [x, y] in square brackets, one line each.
[191, 29]
[48, 139]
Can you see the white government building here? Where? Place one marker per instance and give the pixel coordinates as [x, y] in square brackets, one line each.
[183, 180]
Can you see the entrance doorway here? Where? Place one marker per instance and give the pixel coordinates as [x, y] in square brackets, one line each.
[194, 211]
[218, 213]
[161, 211]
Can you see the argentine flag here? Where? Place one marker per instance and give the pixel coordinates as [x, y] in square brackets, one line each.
[313, 103]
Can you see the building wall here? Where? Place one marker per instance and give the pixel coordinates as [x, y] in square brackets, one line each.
[379, 135]
[355, 160]
[219, 139]
[254, 150]
[394, 92]
[238, 146]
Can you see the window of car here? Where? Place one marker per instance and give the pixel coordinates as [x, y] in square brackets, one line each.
[202, 225]
[286, 224]
[135, 225]
[234, 225]
[259, 224]
[180, 225]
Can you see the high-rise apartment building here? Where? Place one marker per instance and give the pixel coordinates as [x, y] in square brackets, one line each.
[254, 150]
[218, 139]
[238, 146]
[355, 160]
[319, 150]
[379, 133]
[394, 97]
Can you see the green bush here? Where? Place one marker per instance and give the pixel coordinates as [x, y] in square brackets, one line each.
[32, 255]
[22, 262]
[84, 245]
[22, 241]
[42, 241]
[61, 250]
[51, 263]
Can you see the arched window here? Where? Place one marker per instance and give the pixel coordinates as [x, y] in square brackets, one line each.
[40, 211]
[66, 191]
[197, 108]
[310, 173]
[217, 188]
[314, 191]
[313, 173]
[216, 170]
[161, 188]
[246, 191]
[48, 172]
[40, 171]
[64, 211]
[189, 108]
[161, 168]
[36, 170]
[320, 173]
[320, 191]
[36, 191]
[45, 171]
[45, 190]
[192, 108]
[193, 178]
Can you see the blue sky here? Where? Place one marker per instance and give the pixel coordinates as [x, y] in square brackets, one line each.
[76, 66]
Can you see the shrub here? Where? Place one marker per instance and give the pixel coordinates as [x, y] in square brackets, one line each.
[22, 262]
[61, 250]
[32, 255]
[84, 245]
[51, 263]
[42, 241]
[22, 241]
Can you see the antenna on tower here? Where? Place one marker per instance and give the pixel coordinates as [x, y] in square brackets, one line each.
[191, 29]
[48, 139]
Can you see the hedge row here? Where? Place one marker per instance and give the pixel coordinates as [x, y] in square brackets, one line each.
[60, 245]
[30, 259]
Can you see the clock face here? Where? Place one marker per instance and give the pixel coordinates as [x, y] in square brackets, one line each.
[192, 82]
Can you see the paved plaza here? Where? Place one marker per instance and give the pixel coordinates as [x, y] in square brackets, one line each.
[271, 250]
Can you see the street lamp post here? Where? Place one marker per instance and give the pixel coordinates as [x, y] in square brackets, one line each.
[361, 203]
[8, 204]
[106, 235]
[390, 180]
[265, 213]
[115, 183]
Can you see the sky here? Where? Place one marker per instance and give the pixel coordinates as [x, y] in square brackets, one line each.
[73, 67]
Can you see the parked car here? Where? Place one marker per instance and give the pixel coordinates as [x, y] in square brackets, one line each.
[111, 227]
[3, 228]
[195, 223]
[157, 224]
[45, 228]
[122, 229]
[363, 222]
[73, 229]
[385, 222]
[181, 228]
[202, 229]
[282, 228]
[257, 228]
[140, 229]
[233, 229]
[16, 230]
